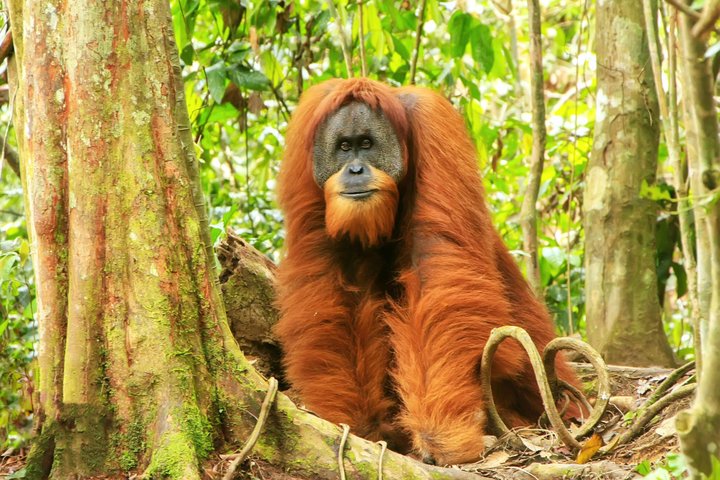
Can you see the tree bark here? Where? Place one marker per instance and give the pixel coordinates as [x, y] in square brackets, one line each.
[139, 371]
[247, 280]
[127, 303]
[623, 313]
[669, 117]
[528, 211]
[699, 427]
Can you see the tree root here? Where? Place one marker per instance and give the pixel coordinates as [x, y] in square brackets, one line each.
[654, 405]
[383, 448]
[341, 449]
[552, 471]
[262, 418]
[544, 368]
[302, 443]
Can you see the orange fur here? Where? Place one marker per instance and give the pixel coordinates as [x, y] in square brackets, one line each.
[387, 336]
[368, 221]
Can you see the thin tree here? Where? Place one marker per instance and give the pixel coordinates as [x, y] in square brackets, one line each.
[699, 427]
[528, 211]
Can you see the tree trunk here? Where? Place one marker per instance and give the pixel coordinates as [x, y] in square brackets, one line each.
[247, 280]
[131, 323]
[528, 211]
[699, 427]
[139, 372]
[623, 313]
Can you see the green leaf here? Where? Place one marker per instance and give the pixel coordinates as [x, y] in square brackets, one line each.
[244, 77]
[401, 73]
[400, 48]
[459, 28]
[554, 258]
[472, 87]
[216, 76]
[643, 467]
[482, 47]
[319, 22]
[7, 262]
[187, 54]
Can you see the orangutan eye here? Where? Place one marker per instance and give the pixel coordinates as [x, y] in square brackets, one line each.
[345, 146]
[366, 143]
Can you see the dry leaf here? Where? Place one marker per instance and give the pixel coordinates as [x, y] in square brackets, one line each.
[624, 403]
[494, 460]
[666, 427]
[255, 103]
[254, 40]
[531, 445]
[589, 448]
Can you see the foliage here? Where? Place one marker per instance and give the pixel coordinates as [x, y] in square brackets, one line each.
[18, 328]
[674, 466]
[245, 64]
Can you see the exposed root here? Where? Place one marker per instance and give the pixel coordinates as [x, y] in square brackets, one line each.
[654, 405]
[262, 418]
[544, 369]
[383, 447]
[341, 449]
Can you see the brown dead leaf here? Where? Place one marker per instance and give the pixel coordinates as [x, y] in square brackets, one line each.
[254, 40]
[666, 427]
[624, 403]
[255, 103]
[494, 460]
[532, 443]
[589, 448]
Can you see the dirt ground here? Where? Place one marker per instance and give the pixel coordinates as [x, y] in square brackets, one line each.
[543, 457]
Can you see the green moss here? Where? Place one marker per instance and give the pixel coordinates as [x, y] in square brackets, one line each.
[173, 458]
[103, 378]
[198, 430]
[129, 446]
[41, 453]
[365, 469]
[436, 475]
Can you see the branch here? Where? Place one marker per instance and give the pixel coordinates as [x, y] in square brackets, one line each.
[647, 414]
[361, 33]
[684, 9]
[6, 46]
[418, 36]
[708, 17]
[343, 38]
[252, 440]
[528, 211]
[319, 441]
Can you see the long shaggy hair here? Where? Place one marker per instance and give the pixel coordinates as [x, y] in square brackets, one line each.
[383, 328]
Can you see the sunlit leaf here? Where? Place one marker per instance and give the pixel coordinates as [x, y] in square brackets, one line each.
[459, 29]
[481, 44]
[243, 77]
[216, 76]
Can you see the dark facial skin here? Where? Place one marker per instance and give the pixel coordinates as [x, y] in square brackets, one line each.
[351, 140]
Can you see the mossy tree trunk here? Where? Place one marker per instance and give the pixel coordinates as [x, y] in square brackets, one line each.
[135, 353]
[139, 371]
[623, 312]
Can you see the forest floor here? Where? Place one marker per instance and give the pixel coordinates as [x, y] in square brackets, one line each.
[544, 456]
